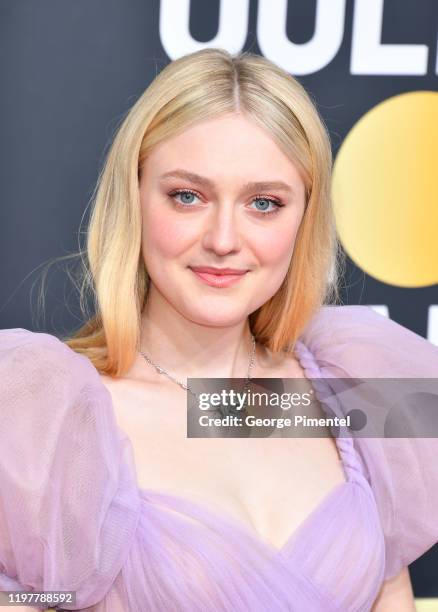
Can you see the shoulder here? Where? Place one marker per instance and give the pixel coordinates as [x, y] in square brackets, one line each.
[19, 337]
[341, 323]
[27, 356]
[358, 341]
[46, 386]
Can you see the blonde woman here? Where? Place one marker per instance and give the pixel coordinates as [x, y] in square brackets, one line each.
[211, 253]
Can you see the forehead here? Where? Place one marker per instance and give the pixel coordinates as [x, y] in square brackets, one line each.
[226, 146]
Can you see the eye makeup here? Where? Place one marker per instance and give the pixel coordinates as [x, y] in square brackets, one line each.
[272, 200]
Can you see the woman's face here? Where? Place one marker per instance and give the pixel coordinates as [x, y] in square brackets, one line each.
[221, 194]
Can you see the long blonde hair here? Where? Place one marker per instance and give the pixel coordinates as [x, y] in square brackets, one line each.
[200, 86]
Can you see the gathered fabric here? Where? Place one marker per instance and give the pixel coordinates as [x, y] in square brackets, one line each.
[72, 517]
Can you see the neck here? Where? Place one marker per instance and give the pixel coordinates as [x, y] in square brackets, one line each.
[188, 350]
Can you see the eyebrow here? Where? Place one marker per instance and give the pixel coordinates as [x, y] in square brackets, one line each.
[205, 182]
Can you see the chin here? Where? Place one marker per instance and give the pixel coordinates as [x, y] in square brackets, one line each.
[216, 319]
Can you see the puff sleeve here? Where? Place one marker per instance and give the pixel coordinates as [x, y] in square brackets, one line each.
[357, 343]
[69, 504]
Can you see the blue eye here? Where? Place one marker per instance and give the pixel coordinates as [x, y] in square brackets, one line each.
[187, 197]
[266, 202]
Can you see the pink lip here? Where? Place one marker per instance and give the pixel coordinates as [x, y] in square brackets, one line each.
[211, 270]
[218, 277]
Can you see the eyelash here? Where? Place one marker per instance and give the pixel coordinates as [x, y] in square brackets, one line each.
[275, 201]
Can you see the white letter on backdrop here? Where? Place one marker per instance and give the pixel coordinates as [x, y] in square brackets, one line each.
[369, 56]
[175, 34]
[307, 57]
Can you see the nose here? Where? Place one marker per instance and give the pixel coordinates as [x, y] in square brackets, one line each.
[221, 232]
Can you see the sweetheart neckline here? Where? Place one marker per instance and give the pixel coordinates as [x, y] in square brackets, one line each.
[151, 494]
[234, 522]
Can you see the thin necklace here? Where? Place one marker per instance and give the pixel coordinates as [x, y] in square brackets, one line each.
[224, 410]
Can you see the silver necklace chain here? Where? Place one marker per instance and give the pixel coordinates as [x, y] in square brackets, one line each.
[161, 370]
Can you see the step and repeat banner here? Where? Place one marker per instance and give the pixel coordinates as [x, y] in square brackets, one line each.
[71, 69]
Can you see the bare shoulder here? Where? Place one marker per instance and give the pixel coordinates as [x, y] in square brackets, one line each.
[277, 365]
[132, 383]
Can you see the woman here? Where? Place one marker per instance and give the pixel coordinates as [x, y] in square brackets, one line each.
[212, 254]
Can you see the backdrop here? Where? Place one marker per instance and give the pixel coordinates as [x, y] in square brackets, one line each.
[71, 70]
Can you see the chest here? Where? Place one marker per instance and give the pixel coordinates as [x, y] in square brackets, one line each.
[269, 484]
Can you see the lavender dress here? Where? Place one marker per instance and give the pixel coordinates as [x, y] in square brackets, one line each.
[73, 518]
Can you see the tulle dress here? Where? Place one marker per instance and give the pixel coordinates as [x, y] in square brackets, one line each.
[72, 516]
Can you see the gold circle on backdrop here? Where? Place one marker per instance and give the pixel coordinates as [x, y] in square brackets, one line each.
[385, 191]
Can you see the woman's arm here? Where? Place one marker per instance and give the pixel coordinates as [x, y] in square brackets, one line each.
[396, 594]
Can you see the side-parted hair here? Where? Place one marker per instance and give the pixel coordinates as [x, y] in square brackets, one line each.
[200, 86]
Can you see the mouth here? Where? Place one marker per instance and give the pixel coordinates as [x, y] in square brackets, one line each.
[218, 277]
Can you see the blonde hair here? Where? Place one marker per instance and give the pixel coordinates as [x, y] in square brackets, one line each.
[196, 87]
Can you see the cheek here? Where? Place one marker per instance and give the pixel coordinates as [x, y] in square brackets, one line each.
[275, 247]
[162, 235]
